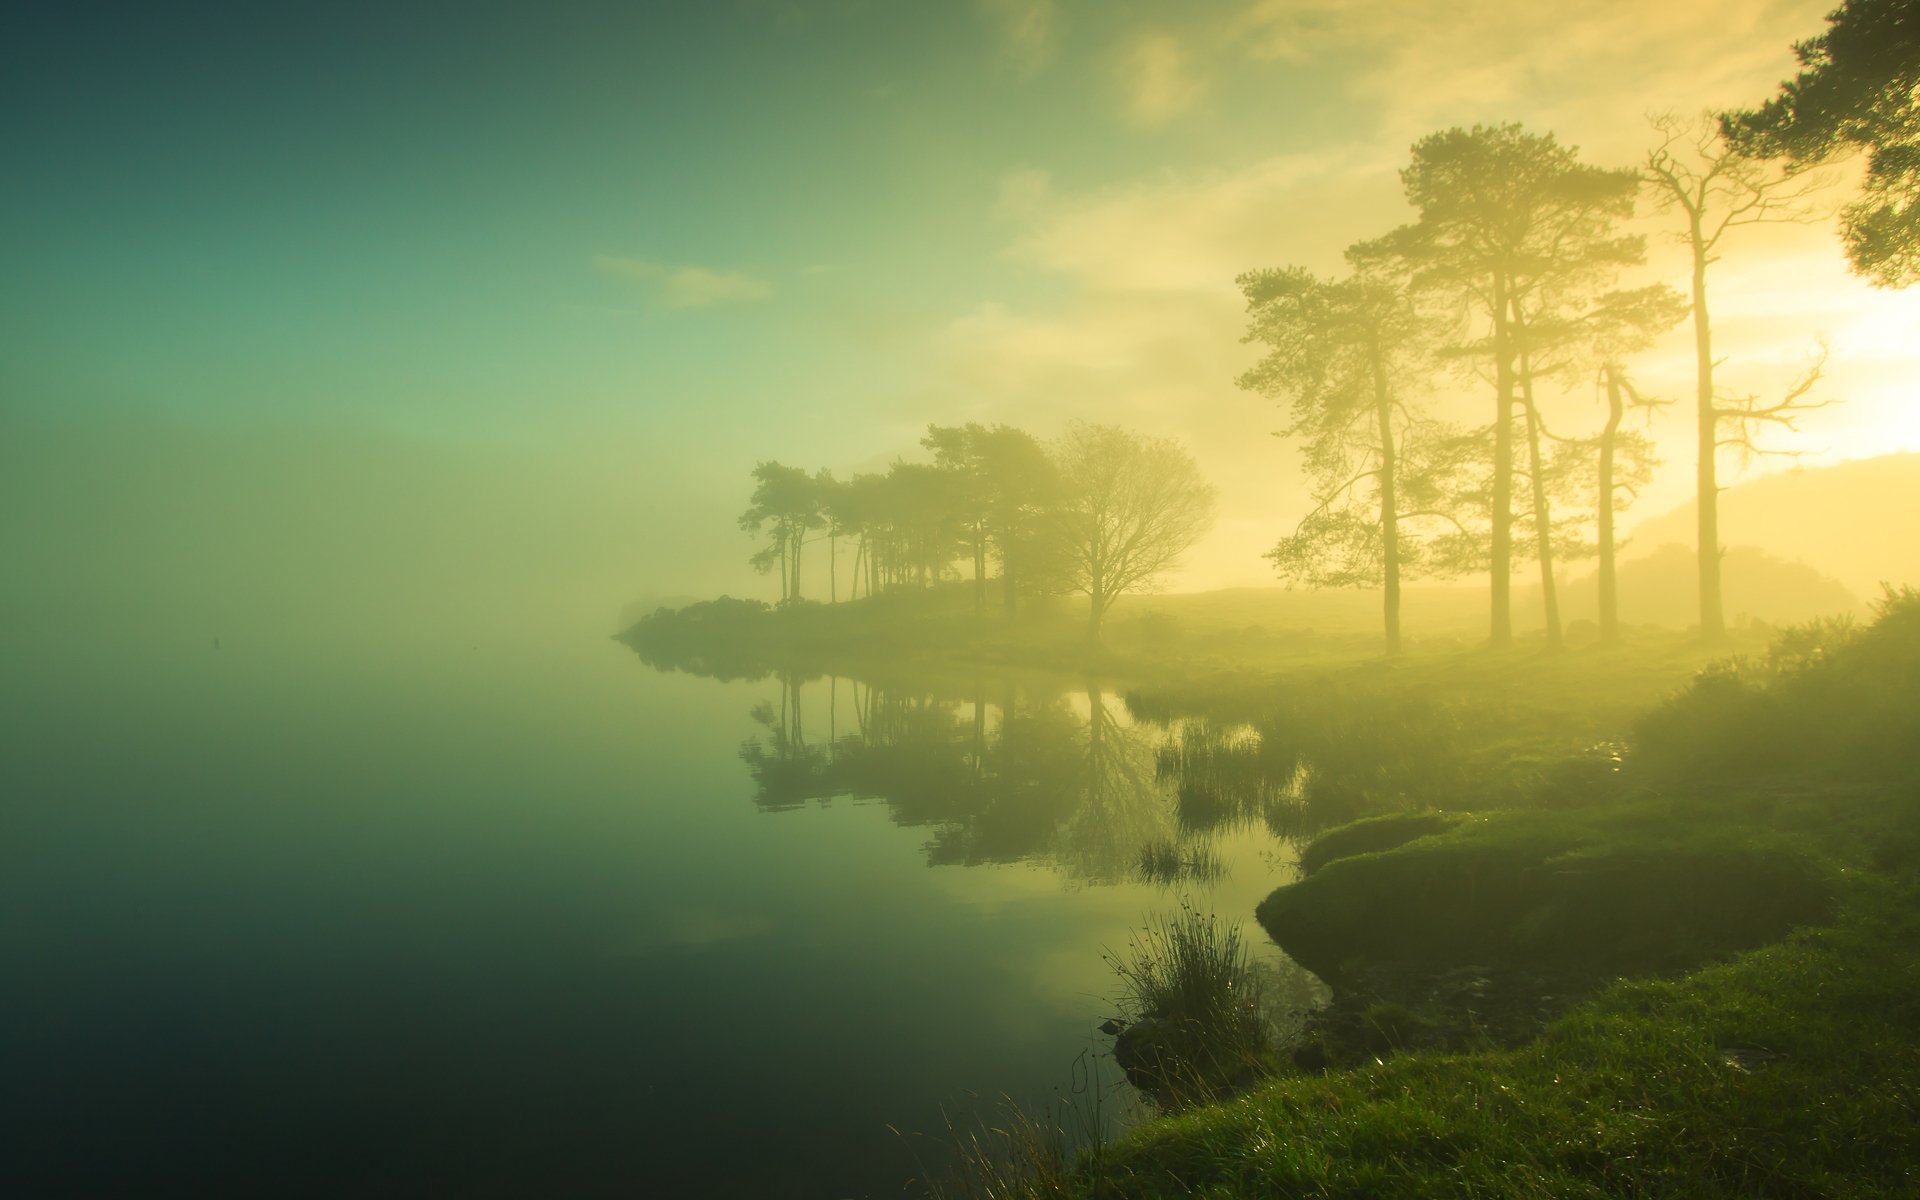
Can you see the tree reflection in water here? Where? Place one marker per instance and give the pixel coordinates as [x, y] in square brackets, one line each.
[1034, 773]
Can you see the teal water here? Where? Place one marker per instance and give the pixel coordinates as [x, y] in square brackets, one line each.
[425, 914]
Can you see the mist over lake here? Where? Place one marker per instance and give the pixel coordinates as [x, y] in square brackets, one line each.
[501, 919]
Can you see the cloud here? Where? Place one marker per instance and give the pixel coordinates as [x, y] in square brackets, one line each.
[686, 286]
[1029, 31]
[1587, 72]
[1023, 194]
[1157, 73]
[1194, 233]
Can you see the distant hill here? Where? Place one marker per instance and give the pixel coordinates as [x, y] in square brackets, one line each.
[1857, 521]
[1663, 588]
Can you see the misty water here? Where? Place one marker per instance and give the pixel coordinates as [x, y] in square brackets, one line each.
[438, 914]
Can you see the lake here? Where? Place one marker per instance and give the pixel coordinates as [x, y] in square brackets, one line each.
[446, 916]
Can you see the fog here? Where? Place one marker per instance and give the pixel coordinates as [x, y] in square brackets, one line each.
[819, 599]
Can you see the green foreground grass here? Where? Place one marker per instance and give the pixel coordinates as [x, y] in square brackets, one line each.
[1792, 1070]
[1725, 1068]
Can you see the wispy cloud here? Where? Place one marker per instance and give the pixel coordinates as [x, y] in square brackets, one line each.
[1028, 31]
[1158, 76]
[1479, 60]
[686, 286]
[1187, 234]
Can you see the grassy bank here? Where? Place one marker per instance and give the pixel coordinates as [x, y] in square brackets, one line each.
[1792, 1070]
[1729, 917]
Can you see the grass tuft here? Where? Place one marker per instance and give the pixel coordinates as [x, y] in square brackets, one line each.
[1197, 1021]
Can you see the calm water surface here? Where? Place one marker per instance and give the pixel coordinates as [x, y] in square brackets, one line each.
[443, 916]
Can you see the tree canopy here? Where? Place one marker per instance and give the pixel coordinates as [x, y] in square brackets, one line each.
[1130, 506]
[1858, 88]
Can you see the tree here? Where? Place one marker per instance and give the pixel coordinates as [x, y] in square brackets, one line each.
[1859, 87]
[956, 450]
[921, 519]
[840, 518]
[1003, 485]
[1022, 487]
[786, 504]
[1695, 172]
[856, 509]
[1622, 324]
[1130, 506]
[1571, 325]
[1339, 352]
[1505, 218]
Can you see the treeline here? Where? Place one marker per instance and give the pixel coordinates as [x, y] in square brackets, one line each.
[1100, 511]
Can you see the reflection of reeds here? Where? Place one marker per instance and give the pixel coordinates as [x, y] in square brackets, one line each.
[1167, 863]
[1226, 777]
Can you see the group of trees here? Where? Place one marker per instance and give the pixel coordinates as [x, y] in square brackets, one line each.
[1509, 275]
[1101, 511]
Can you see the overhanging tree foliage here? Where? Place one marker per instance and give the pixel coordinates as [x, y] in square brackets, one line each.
[1859, 88]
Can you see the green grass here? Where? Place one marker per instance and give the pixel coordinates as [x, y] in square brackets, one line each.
[1372, 835]
[1756, 849]
[1646, 886]
[1791, 1070]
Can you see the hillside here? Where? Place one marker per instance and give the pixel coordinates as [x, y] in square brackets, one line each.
[1857, 521]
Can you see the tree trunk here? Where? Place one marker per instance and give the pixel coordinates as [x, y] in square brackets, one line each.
[1713, 621]
[1501, 568]
[1389, 508]
[1007, 576]
[833, 569]
[979, 569]
[1542, 507]
[1609, 585]
[1543, 526]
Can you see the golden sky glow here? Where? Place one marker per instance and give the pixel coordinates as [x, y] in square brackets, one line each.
[615, 264]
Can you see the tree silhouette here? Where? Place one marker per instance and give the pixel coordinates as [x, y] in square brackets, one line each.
[1003, 485]
[1341, 352]
[786, 503]
[1130, 506]
[1023, 486]
[1506, 218]
[1859, 87]
[1558, 336]
[957, 451]
[1695, 172]
[1623, 324]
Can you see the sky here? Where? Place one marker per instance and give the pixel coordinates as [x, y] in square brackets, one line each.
[429, 300]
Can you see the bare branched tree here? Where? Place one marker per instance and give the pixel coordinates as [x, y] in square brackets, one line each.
[1695, 173]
